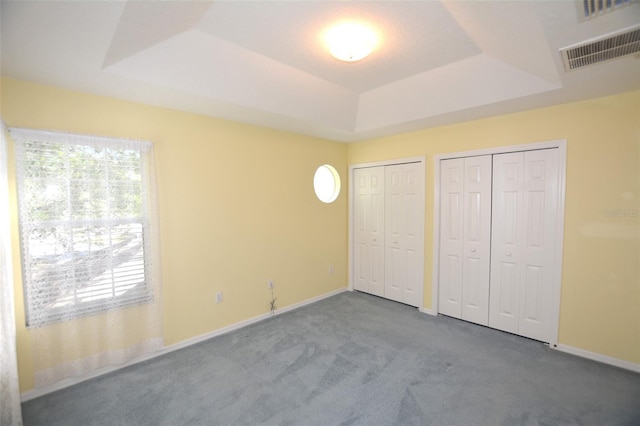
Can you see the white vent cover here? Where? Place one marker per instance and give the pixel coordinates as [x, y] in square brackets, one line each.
[593, 8]
[602, 49]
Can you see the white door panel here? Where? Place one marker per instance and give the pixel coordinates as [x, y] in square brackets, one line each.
[362, 263]
[369, 227]
[507, 235]
[504, 297]
[540, 203]
[376, 283]
[389, 231]
[404, 230]
[465, 188]
[522, 258]
[477, 239]
[395, 274]
[451, 231]
[414, 281]
[520, 247]
[395, 267]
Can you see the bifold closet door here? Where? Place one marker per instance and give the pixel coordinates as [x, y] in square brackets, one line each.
[465, 215]
[525, 193]
[404, 227]
[369, 232]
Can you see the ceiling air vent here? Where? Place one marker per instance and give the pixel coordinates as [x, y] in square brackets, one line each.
[602, 49]
[593, 8]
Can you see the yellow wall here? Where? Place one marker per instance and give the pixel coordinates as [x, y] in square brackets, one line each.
[600, 302]
[237, 208]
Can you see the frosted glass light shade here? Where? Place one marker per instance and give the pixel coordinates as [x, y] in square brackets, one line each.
[351, 41]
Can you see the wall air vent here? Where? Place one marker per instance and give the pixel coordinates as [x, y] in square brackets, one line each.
[606, 48]
[593, 8]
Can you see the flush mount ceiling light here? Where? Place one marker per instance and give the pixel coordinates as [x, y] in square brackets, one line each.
[351, 41]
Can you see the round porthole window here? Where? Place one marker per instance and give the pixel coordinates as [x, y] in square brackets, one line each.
[326, 183]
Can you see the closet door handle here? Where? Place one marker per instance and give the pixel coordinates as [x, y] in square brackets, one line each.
[508, 253]
[473, 250]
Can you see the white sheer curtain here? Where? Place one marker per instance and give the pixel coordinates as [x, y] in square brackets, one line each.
[90, 251]
[10, 411]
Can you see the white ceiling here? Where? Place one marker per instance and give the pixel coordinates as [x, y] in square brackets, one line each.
[263, 62]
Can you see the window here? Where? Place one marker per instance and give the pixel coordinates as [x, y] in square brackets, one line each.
[326, 183]
[84, 224]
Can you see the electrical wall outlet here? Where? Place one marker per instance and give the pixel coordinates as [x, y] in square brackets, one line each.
[331, 270]
[219, 297]
[270, 283]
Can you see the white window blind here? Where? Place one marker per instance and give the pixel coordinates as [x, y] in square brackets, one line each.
[84, 223]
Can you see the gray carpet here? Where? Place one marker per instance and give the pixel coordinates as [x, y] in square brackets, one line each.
[353, 359]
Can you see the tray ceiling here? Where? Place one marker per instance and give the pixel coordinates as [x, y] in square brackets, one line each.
[264, 63]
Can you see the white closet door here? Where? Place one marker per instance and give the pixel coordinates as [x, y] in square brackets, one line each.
[465, 214]
[404, 225]
[525, 186]
[451, 237]
[506, 255]
[369, 230]
[540, 206]
[476, 239]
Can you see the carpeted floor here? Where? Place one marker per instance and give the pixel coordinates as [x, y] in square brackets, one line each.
[353, 359]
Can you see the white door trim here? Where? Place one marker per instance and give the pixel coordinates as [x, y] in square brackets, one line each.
[561, 145]
[352, 167]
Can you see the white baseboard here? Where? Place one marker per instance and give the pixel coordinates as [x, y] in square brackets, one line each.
[38, 392]
[241, 324]
[616, 362]
[428, 311]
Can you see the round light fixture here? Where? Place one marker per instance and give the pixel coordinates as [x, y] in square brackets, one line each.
[351, 41]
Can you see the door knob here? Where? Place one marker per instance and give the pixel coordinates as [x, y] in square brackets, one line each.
[473, 250]
[508, 253]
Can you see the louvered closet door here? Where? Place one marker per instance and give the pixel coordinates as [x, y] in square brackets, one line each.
[369, 230]
[525, 193]
[465, 214]
[403, 228]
